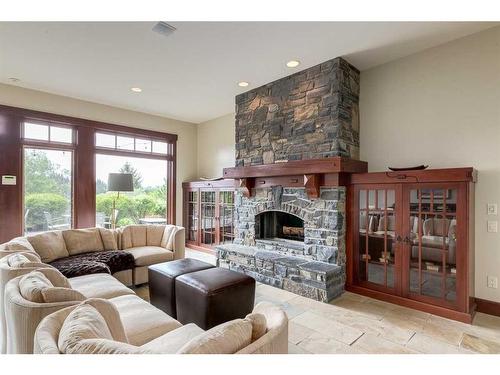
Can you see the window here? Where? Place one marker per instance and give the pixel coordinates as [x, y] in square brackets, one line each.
[147, 204]
[47, 133]
[47, 189]
[127, 143]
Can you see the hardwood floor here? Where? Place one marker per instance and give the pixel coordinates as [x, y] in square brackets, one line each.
[354, 324]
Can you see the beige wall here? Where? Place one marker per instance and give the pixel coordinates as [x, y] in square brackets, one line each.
[442, 107]
[216, 146]
[186, 145]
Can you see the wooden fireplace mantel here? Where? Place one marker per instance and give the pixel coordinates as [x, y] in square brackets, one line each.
[310, 174]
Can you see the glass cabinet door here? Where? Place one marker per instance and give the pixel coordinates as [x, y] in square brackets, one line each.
[377, 227]
[208, 225]
[225, 218]
[192, 216]
[432, 242]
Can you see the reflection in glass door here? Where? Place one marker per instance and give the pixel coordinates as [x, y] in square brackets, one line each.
[208, 217]
[377, 234]
[225, 218]
[433, 243]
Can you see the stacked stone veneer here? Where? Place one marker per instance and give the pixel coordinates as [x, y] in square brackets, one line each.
[314, 268]
[309, 115]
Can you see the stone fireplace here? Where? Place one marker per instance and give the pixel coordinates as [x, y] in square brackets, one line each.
[296, 142]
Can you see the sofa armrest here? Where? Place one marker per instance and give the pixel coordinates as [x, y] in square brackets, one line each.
[179, 243]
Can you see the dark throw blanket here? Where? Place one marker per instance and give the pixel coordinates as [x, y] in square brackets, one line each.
[97, 262]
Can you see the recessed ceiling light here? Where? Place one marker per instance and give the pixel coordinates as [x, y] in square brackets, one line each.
[243, 84]
[136, 89]
[14, 79]
[293, 63]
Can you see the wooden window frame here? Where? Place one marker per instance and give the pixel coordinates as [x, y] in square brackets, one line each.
[12, 143]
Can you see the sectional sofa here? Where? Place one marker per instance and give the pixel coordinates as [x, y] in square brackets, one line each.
[40, 305]
[125, 253]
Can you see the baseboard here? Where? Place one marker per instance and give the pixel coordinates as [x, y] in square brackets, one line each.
[201, 249]
[487, 307]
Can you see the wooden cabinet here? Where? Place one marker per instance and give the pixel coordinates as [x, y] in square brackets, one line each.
[411, 239]
[208, 213]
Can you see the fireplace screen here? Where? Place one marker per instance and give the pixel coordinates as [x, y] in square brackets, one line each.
[277, 224]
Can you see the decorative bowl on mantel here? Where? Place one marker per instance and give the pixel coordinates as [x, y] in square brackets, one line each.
[415, 168]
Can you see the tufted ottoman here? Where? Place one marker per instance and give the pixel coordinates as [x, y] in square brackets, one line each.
[161, 281]
[213, 296]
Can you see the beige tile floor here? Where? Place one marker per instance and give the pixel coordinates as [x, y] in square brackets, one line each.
[358, 324]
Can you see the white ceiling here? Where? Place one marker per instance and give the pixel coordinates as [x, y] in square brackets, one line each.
[192, 75]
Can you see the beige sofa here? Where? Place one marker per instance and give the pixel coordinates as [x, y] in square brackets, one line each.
[94, 327]
[24, 308]
[148, 244]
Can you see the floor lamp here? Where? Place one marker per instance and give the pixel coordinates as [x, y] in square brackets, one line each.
[119, 182]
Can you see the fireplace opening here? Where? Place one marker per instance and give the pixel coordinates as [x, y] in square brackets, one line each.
[277, 224]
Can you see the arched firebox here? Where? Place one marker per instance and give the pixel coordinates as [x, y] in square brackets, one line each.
[278, 224]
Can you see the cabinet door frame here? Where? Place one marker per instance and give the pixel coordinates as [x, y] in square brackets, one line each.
[396, 290]
[461, 302]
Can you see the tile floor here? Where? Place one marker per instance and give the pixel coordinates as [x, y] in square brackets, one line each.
[358, 324]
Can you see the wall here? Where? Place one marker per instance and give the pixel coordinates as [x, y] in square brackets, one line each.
[311, 114]
[215, 146]
[186, 144]
[442, 107]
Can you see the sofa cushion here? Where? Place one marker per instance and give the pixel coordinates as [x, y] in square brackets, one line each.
[172, 341]
[17, 260]
[49, 245]
[84, 322]
[148, 255]
[32, 285]
[19, 244]
[99, 285]
[98, 262]
[133, 236]
[154, 234]
[79, 241]
[226, 338]
[109, 239]
[58, 294]
[152, 323]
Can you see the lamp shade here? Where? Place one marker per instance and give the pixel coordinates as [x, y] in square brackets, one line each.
[120, 182]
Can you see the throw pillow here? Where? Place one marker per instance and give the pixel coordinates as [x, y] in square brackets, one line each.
[259, 325]
[226, 338]
[32, 285]
[83, 323]
[58, 294]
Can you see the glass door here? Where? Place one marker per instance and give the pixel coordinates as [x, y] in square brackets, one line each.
[378, 223]
[431, 243]
[225, 217]
[192, 213]
[208, 225]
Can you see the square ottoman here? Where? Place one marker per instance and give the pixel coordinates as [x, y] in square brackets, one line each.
[161, 281]
[213, 296]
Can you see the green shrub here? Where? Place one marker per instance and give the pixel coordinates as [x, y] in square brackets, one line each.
[38, 203]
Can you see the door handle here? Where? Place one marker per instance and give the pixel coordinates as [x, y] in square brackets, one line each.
[407, 240]
[398, 239]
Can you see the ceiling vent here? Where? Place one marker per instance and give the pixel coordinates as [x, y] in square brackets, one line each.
[163, 28]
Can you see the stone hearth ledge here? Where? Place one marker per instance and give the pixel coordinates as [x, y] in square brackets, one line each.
[312, 279]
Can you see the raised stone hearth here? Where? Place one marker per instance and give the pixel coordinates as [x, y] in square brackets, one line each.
[314, 267]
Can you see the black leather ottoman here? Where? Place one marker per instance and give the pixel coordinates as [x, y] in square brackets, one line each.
[213, 296]
[161, 281]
